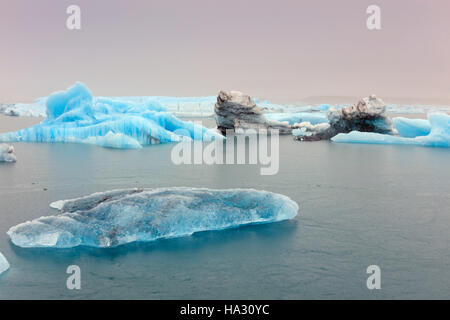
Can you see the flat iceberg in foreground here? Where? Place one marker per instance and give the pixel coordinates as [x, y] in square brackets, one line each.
[4, 265]
[117, 217]
[75, 116]
[439, 135]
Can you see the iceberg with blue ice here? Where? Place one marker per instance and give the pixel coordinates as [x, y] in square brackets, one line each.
[76, 116]
[4, 265]
[411, 128]
[117, 217]
[439, 135]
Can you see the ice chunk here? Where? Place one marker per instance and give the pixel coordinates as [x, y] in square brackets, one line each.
[236, 110]
[7, 153]
[439, 135]
[368, 115]
[4, 265]
[122, 216]
[75, 116]
[306, 130]
[410, 128]
[298, 117]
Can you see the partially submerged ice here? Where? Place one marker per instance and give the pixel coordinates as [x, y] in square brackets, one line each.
[7, 153]
[439, 135]
[235, 110]
[75, 116]
[118, 217]
[4, 265]
[368, 115]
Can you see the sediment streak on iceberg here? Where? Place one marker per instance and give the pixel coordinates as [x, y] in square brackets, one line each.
[439, 135]
[4, 265]
[75, 116]
[118, 217]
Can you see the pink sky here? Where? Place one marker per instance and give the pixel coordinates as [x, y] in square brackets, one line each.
[281, 50]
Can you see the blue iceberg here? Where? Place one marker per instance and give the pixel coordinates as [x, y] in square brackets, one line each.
[411, 128]
[439, 135]
[4, 265]
[76, 116]
[117, 217]
[298, 117]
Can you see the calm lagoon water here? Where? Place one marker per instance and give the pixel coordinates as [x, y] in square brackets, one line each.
[359, 205]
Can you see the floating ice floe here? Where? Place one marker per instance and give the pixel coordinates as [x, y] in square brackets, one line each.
[75, 116]
[439, 135]
[118, 217]
[411, 128]
[4, 265]
[7, 153]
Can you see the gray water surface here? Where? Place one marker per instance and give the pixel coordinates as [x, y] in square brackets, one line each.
[359, 205]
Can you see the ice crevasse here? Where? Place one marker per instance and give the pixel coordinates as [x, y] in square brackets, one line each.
[438, 136]
[76, 116]
[117, 217]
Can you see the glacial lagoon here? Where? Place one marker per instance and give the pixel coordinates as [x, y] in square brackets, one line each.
[360, 205]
